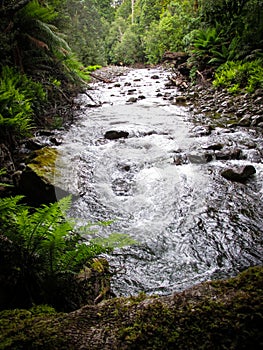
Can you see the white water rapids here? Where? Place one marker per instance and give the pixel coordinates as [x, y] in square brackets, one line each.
[189, 223]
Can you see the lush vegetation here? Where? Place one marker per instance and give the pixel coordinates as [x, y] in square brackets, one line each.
[214, 33]
[46, 47]
[41, 255]
[39, 71]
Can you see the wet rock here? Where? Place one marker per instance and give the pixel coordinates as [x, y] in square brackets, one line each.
[256, 120]
[44, 133]
[155, 77]
[254, 156]
[239, 174]
[127, 167]
[227, 154]
[131, 91]
[38, 181]
[141, 97]
[214, 146]
[202, 130]
[34, 144]
[259, 100]
[245, 121]
[115, 134]
[180, 159]
[55, 141]
[180, 99]
[151, 132]
[132, 100]
[117, 85]
[196, 158]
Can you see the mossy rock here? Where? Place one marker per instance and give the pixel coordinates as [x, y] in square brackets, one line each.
[226, 314]
[40, 180]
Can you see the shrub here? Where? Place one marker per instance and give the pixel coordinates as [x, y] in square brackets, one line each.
[238, 75]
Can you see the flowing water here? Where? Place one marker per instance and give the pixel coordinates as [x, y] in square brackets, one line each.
[189, 223]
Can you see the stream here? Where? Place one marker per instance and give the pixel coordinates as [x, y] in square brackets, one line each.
[189, 224]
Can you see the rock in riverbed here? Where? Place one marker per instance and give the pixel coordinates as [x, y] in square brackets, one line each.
[239, 174]
[38, 182]
[115, 134]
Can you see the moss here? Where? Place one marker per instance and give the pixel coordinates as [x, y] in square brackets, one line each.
[44, 164]
[37, 328]
[225, 314]
[229, 315]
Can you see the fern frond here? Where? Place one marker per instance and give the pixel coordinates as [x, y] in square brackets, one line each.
[40, 44]
[48, 33]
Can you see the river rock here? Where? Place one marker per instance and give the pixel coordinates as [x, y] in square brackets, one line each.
[131, 91]
[197, 158]
[115, 134]
[132, 100]
[227, 154]
[34, 144]
[245, 121]
[181, 99]
[202, 130]
[180, 159]
[213, 146]
[38, 181]
[256, 120]
[239, 174]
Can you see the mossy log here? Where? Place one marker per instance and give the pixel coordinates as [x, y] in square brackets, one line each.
[225, 314]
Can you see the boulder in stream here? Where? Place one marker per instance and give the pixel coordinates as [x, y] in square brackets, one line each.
[115, 134]
[38, 182]
[239, 174]
[132, 100]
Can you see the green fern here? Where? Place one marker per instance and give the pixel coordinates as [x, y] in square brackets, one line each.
[41, 250]
[239, 75]
[19, 97]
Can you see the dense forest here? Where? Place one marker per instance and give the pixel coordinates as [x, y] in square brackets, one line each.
[48, 49]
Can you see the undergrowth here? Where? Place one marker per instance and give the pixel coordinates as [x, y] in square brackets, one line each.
[238, 76]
